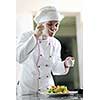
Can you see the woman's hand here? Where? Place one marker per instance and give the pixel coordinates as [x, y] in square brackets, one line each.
[39, 30]
[69, 62]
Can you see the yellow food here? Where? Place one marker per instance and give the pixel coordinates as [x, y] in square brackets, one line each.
[58, 89]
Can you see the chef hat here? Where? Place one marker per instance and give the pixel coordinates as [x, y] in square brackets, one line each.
[48, 13]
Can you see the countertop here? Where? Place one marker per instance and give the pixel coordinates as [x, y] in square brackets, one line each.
[46, 97]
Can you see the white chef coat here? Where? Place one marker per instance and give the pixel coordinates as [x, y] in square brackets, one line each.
[37, 59]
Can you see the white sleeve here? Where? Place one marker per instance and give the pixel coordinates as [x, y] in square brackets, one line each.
[25, 45]
[58, 67]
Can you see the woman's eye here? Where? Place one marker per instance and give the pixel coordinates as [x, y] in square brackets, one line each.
[56, 25]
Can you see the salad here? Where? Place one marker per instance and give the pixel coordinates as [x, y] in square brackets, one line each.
[58, 89]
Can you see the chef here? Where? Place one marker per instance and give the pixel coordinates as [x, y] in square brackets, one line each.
[38, 53]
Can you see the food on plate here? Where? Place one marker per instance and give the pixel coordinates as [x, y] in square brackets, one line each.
[58, 89]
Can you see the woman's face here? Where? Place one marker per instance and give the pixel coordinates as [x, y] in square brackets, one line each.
[52, 27]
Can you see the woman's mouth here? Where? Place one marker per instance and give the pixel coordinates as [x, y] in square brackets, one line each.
[51, 33]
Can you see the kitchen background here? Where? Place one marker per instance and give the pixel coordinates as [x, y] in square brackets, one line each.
[69, 34]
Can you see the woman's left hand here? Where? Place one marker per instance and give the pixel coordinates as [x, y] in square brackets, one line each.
[69, 61]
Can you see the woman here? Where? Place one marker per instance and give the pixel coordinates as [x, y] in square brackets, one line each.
[38, 53]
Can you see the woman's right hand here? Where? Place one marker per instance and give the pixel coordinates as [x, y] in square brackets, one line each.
[39, 30]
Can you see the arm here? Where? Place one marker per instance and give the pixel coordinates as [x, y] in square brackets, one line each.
[25, 46]
[58, 67]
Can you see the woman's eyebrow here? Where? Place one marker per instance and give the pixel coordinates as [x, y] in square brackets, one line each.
[57, 23]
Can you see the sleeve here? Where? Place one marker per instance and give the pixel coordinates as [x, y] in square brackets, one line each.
[25, 45]
[58, 67]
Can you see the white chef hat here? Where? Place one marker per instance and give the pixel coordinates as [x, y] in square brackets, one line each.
[48, 13]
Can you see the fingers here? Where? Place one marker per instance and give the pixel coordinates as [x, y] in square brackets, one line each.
[70, 58]
[70, 61]
[40, 27]
[39, 30]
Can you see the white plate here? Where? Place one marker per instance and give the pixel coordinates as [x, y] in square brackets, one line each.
[63, 94]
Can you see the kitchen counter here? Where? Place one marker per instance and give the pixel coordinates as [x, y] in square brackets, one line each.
[46, 97]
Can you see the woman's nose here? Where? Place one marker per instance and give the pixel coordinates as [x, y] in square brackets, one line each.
[53, 28]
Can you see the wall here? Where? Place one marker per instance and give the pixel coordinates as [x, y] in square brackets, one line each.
[68, 38]
[80, 46]
[27, 6]
[23, 23]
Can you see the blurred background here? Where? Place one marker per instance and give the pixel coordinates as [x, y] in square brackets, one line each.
[69, 34]
[68, 39]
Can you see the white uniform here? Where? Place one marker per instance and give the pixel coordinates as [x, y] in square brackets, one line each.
[37, 59]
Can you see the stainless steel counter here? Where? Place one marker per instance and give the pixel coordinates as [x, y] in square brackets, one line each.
[45, 97]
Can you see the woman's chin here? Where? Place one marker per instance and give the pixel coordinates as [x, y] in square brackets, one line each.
[51, 34]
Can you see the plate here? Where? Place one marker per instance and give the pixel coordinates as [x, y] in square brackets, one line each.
[63, 94]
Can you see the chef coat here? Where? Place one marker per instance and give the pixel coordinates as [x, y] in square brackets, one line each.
[37, 59]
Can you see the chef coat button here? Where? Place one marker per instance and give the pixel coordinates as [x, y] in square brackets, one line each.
[46, 65]
[38, 66]
[47, 76]
[49, 43]
[39, 89]
[47, 88]
[40, 54]
[39, 77]
[50, 56]
[39, 41]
